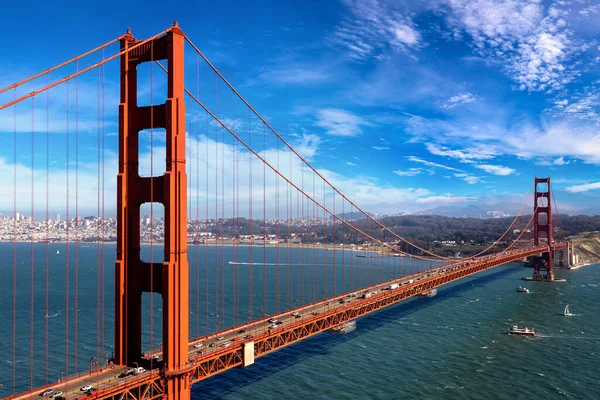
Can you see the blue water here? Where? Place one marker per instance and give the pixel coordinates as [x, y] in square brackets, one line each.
[452, 346]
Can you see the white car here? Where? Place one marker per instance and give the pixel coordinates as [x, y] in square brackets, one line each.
[198, 345]
[295, 313]
[226, 344]
[273, 326]
[56, 394]
[85, 388]
[220, 338]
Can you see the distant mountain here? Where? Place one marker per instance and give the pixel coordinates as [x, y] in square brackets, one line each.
[354, 216]
[587, 211]
[497, 210]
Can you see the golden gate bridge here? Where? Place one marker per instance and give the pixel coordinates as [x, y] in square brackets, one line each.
[227, 166]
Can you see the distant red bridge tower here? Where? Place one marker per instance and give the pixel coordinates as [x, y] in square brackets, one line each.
[542, 229]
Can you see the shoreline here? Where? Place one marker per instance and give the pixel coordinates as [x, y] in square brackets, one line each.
[282, 245]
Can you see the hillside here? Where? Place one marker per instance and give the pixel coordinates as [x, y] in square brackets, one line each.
[587, 246]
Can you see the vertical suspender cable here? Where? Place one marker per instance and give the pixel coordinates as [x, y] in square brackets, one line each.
[98, 229]
[197, 226]
[76, 216]
[206, 225]
[32, 227]
[278, 238]
[264, 223]
[217, 209]
[47, 222]
[14, 341]
[102, 217]
[223, 228]
[67, 222]
[250, 272]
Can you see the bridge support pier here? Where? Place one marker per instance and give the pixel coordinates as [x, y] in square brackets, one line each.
[132, 276]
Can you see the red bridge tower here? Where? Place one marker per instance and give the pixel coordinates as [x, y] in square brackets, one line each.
[542, 223]
[132, 275]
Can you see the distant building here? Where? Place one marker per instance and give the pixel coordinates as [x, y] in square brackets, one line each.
[57, 217]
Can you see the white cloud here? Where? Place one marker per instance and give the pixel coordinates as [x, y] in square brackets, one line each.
[379, 148]
[295, 75]
[582, 107]
[496, 169]
[583, 188]
[409, 172]
[561, 161]
[572, 138]
[459, 99]
[307, 145]
[470, 179]
[350, 163]
[372, 27]
[590, 10]
[466, 155]
[534, 43]
[432, 164]
[405, 33]
[340, 122]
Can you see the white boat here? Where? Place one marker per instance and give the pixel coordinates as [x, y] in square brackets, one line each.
[57, 252]
[522, 289]
[515, 330]
[567, 313]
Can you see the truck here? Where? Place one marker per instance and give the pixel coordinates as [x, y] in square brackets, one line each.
[393, 286]
[411, 281]
[366, 295]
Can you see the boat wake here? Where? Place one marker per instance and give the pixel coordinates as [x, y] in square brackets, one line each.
[53, 315]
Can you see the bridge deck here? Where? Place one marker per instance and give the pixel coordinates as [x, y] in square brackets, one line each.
[227, 346]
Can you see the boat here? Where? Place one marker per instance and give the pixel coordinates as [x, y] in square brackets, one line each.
[515, 330]
[567, 313]
[522, 289]
[57, 252]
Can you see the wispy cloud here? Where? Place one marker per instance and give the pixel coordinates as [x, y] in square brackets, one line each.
[470, 179]
[307, 145]
[459, 99]
[339, 122]
[535, 44]
[574, 139]
[432, 164]
[561, 161]
[467, 155]
[384, 145]
[496, 169]
[295, 75]
[373, 27]
[409, 172]
[583, 107]
[583, 188]
[350, 163]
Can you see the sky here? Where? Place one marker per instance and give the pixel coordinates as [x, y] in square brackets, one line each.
[403, 105]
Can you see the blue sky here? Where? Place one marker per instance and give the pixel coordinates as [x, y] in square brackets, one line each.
[405, 105]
